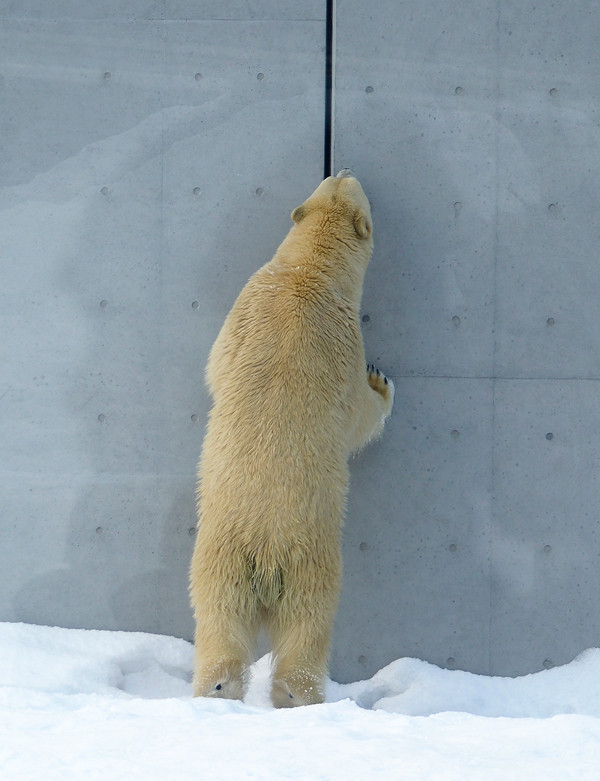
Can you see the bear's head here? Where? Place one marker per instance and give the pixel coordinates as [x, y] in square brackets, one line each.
[342, 204]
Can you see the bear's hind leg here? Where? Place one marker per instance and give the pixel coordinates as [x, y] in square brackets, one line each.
[300, 652]
[227, 621]
[300, 627]
[223, 647]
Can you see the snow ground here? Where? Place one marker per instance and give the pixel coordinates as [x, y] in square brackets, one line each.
[78, 704]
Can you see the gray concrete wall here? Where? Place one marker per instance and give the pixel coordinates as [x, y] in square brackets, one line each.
[150, 159]
[474, 538]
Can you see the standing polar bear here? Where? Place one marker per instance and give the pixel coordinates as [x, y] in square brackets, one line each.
[292, 400]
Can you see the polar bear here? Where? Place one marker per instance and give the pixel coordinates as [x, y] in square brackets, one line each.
[292, 400]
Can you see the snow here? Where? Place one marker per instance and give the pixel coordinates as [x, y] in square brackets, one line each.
[78, 704]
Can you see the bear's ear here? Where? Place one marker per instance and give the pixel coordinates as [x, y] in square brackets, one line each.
[299, 213]
[362, 225]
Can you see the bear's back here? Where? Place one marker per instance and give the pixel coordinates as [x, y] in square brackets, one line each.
[276, 433]
[292, 345]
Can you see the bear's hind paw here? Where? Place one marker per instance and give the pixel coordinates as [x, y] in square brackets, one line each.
[285, 694]
[229, 685]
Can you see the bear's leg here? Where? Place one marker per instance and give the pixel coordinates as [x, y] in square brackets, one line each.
[300, 627]
[227, 622]
[223, 644]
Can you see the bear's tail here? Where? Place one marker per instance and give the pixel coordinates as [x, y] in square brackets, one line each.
[266, 582]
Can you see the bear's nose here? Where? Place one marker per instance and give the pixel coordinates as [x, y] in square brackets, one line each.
[343, 173]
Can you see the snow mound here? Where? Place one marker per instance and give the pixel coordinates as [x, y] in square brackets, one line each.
[70, 661]
[417, 688]
[133, 664]
[78, 704]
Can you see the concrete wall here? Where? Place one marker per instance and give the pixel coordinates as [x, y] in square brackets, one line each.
[150, 161]
[475, 531]
[151, 157]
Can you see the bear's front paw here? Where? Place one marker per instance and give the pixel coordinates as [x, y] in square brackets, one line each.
[379, 382]
[382, 385]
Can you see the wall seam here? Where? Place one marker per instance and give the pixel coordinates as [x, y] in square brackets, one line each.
[329, 88]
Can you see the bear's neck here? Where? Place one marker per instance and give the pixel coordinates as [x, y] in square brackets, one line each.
[344, 261]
